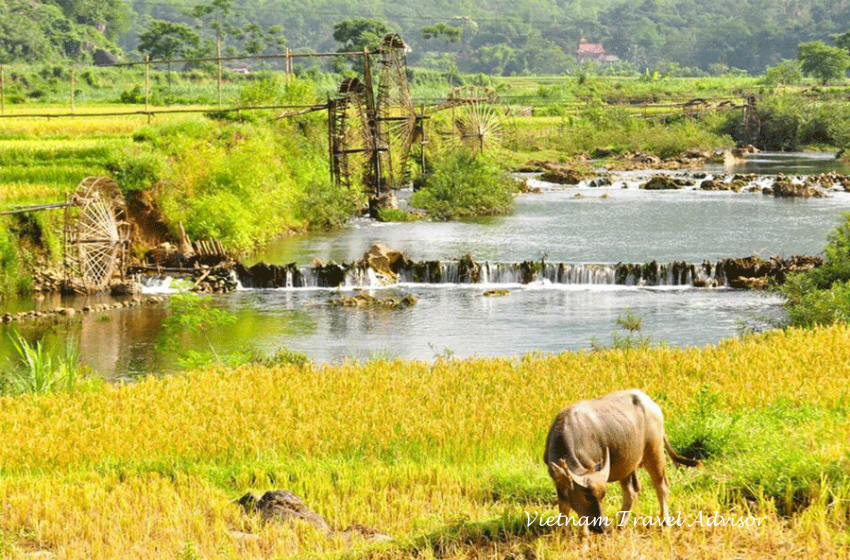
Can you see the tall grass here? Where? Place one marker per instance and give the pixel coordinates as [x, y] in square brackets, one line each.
[37, 372]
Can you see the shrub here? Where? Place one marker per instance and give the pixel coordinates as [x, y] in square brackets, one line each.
[135, 169]
[464, 184]
[822, 296]
[326, 206]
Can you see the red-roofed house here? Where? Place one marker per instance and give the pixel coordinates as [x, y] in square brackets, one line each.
[593, 51]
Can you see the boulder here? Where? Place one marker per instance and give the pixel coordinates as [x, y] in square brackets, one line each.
[786, 188]
[468, 270]
[496, 293]
[661, 182]
[385, 262]
[330, 275]
[282, 506]
[564, 176]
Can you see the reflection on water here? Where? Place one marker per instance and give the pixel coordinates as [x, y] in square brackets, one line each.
[629, 225]
[790, 164]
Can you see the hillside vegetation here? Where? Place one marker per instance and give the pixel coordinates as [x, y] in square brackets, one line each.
[494, 36]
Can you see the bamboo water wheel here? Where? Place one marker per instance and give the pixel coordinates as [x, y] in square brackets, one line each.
[751, 122]
[395, 112]
[478, 120]
[352, 143]
[96, 235]
[372, 130]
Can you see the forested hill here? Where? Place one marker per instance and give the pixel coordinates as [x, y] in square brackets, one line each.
[47, 30]
[496, 36]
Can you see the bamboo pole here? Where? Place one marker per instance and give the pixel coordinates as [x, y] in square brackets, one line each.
[147, 82]
[218, 57]
[246, 57]
[2, 92]
[73, 85]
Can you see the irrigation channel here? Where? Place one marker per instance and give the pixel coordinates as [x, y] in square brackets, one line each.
[575, 299]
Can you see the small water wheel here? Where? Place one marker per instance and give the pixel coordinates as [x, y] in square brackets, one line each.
[478, 118]
[96, 235]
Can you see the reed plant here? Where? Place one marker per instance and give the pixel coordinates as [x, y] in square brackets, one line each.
[39, 371]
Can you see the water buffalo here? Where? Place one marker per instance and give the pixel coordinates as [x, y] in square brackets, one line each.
[594, 442]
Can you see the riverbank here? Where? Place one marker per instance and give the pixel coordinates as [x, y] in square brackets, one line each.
[443, 457]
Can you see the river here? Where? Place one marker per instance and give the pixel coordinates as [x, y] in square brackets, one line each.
[604, 226]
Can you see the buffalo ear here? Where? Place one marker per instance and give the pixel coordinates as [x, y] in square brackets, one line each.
[562, 479]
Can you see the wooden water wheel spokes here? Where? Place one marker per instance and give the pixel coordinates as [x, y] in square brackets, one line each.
[96, 235]
[395, 112]
[478, 118]
[352, 145]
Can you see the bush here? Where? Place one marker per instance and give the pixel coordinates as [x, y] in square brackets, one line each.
[786, 72]
[464, 184]
[326, 206]
[135, 169]
[822, 296]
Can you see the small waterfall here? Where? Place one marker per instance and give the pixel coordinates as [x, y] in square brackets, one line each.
[157, 284]
[467, 271]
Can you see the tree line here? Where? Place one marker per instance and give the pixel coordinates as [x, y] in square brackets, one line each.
[680, 37]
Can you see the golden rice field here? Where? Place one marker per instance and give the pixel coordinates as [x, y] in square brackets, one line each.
[43, 159]
[445, 457]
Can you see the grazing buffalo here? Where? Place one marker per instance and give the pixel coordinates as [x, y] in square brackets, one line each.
[592, 443]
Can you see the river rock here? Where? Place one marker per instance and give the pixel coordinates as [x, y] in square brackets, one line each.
[385, 262]
[366, 300]
[428, 272]
[784, 187]
[528, 270]
[601, 181]
[262, 275]
[564, 176]
[496, 293]
[755, 272]
[661, 182]
[330, 275]
[468, 270]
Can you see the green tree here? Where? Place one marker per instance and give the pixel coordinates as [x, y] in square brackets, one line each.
[786, 72]
[451, 33]
[168, 39]
[842, 40]
[357, 33]
[109, 17]
[823, 62]
[224, 22]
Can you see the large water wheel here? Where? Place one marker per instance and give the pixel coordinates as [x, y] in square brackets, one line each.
[96, 235]
[371, 130]
[396, 114]
[352, 140]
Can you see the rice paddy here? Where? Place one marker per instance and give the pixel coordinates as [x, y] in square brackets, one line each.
[444, 456]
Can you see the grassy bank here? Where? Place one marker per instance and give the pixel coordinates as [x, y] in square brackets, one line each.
[240, 178]
[444, 457]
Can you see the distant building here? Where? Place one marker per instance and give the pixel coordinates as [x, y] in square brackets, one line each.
[593, 51]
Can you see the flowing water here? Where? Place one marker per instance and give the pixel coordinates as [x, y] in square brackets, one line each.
[556, 311]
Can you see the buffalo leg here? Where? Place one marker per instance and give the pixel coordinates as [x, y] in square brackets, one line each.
[658, 473]
[631, 488]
